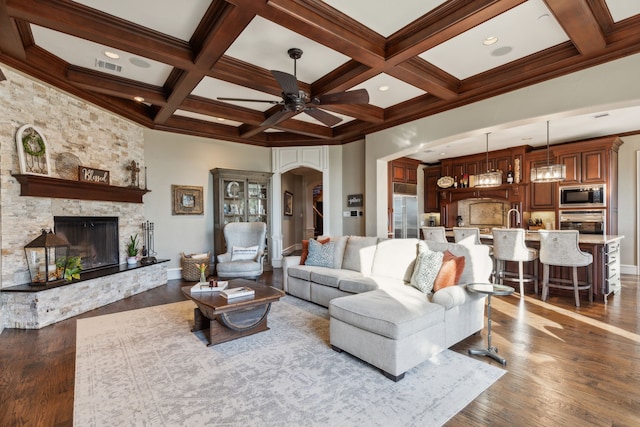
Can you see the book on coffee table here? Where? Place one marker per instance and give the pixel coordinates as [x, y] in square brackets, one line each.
[206, 287]
[237, 292]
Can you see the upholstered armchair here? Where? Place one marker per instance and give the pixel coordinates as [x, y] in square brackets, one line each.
[245, 243]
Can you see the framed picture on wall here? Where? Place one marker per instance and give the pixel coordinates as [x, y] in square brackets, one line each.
[288, 203]
[187, 200]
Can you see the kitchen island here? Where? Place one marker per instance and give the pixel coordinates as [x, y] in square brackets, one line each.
[606, 260]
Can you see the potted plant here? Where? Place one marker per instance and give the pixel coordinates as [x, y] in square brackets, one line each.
[132, 250]
[72, 270]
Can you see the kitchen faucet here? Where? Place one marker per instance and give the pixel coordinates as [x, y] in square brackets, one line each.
[509, 217]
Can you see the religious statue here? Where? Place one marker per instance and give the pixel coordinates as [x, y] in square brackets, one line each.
[135, 174]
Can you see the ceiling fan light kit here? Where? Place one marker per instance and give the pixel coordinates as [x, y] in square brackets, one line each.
[549, 173]
[296, 101]
[489, 178]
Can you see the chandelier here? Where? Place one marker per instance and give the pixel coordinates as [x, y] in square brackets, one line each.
[549, 173]
[489, 179]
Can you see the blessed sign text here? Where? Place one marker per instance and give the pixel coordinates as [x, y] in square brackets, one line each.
[98, 176]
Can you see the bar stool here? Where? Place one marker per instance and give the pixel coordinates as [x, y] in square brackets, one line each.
[560, 248]
[435, 234]
[467, 235]
[509, 245]
[471, 236]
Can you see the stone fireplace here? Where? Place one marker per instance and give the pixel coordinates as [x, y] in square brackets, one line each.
[99, 140]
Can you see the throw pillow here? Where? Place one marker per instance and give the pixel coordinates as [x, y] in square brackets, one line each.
[305, 249]
[426, 269]
[320, 255]
[450, 272]
[238, 253]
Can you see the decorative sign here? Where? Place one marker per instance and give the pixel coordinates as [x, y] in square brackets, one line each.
[97, 176]
[33, 154]
[354, 200]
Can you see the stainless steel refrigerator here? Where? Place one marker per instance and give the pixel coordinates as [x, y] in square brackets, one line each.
[405, 216]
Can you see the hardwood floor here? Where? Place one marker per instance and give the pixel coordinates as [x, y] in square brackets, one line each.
[566, 366]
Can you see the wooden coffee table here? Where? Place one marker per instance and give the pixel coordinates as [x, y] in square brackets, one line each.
[234, 318]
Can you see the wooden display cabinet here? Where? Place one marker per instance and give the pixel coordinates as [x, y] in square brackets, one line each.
[240, 196]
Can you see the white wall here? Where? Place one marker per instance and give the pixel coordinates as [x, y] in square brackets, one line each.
[627, 200]
[353, 183]
[186, 160]
[597, 88]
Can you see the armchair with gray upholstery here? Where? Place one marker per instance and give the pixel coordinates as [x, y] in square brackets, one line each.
[245, 242]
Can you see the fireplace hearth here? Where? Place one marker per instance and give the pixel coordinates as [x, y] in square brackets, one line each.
[94, 239]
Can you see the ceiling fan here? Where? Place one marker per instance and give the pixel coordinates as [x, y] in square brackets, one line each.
[296, 101]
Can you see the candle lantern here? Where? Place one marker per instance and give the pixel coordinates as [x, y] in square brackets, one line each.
[47, 257]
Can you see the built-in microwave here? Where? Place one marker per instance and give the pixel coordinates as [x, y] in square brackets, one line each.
[583, 196]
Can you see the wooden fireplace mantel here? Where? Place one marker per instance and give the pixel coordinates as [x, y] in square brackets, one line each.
[46, 186]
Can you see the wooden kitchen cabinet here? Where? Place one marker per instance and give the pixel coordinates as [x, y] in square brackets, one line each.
[584, 167]
[404, 170]
[542, 195]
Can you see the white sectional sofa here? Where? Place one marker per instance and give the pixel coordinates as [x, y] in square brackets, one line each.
[376, 315]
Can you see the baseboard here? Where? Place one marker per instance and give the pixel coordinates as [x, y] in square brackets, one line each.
[629, 269]
[174, 273]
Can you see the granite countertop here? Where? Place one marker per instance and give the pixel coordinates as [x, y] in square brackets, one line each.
[534, 236]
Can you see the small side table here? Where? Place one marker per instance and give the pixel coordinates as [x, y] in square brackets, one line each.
[489, 289]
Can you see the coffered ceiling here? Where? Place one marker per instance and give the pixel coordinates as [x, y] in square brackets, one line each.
[165, 63]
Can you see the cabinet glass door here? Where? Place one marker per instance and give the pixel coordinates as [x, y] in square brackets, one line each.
[257, 202]
[234, 201]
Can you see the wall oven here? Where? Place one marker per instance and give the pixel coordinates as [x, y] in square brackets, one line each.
[583, 196]
[585, 221]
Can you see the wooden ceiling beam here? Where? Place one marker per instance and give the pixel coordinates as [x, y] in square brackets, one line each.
[580, 24]
[10, 40]
[224, 26]
[114, 86]
[81, 21]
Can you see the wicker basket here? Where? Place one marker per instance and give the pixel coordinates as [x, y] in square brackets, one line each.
[189, 270]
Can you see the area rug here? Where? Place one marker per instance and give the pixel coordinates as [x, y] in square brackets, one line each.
[145, 368]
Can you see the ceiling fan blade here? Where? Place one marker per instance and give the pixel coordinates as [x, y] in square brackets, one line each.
[287, 82]
[358, 96]
[323, 117]
[278, 117]
[220, 98]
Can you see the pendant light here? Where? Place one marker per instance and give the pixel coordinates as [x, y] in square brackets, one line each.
[489, 179]
[549, 173]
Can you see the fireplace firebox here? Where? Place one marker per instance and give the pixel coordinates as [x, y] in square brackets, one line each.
[94, 239]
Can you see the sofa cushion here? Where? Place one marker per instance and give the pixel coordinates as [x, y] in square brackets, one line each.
[395, 258]
[331, 276]
[239, 253]
[300, 271]
[358, 285]
[341, 245]
[305, 249]
[321, 255]
[395, 314]
[450, 272]
[428, 264]
[359, 253]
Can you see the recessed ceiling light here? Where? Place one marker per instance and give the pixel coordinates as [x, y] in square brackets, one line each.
[598, 116]
[543, 16]
[490, 40]
[443, 153]
[138, 98]
[138, 62]
[111, 55]
[220, 119]
[527, 138]
[383, 88]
